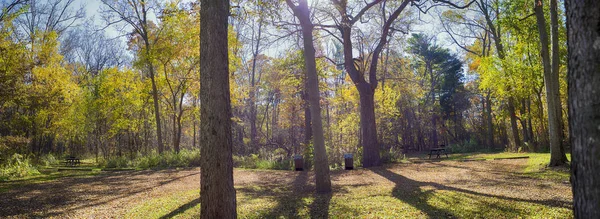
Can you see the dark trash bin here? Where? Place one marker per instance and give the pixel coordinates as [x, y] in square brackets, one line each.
[298, 163]
[349, 161]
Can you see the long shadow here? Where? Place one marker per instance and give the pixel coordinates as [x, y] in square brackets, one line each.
[409, 191]
[320, 206]
[289, 198]
[178, 178]
[288, 203]
[71, 193]
[182, 209]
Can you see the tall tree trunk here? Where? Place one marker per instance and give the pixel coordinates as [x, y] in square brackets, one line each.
[253, 88]
[555, 75]
[497, 36]
[154, 98]
[490, 123]
[557, 154]
[513, 122]
[530, 125]
[217, 196]
[307, 117]
[308, 131]
[523, 120]
[323, 182]
[583, 40]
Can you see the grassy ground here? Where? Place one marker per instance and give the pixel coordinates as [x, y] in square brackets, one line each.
[536, 166]
[446, 189]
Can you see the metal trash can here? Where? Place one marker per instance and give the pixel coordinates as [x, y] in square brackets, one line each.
[349, 161]
[298, 163]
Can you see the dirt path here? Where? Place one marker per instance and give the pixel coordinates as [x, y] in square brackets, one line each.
[111, 195]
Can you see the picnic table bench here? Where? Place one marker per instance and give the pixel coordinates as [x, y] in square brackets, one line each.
[438, 151]
[72, 161]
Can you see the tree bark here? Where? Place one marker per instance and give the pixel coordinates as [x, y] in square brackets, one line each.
[557, 155]
[323, 182]
[307, 117]
[217, 194]
[368, 126]
[583, 40]
[513, 122]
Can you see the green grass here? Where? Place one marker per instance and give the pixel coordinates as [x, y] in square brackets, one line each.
[370, 201]
[537, 164]
[47, 175]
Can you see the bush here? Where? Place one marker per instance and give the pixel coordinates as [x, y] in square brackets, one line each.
[185, 158]
[254, 162]
[47, 160]
[17, 166]
[465, 147]
[117, 162]
[391, 156]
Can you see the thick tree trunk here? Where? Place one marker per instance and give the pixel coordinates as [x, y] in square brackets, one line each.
[217, 194]
[583, 39]
[557, 155]
[323, 182]
[368, 126]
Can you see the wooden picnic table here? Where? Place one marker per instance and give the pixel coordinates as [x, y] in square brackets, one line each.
[72, 161]
[438, 152]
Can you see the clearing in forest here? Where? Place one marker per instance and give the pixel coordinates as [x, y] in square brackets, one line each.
[446, 189]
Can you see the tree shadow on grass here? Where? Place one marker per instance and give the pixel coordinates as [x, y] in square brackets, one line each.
[63, 195]
[320, 206]
[182, 209]
[411, 192]
[291, 197]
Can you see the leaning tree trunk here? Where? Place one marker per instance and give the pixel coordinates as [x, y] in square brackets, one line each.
[323, 182]
[583, 40]
[217, 195]
[557, 155]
